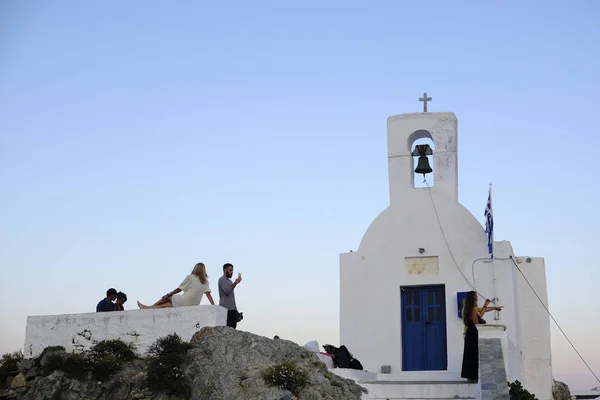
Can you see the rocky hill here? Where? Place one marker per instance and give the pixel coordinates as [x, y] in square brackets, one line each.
[218, 363]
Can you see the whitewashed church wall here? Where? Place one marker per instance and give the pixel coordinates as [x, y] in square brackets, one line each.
[535, 326]
[443, 128]
[503, 271]
[141, 327]
[371, 277]
[513, 361]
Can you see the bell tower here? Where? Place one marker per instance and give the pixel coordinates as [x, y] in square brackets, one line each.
[403, 131]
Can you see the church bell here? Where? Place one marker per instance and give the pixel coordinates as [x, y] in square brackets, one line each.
[423, 150]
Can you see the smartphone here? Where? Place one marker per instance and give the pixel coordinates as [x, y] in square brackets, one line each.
[239, 275]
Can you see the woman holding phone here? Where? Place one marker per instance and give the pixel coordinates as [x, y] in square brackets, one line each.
[194, 286]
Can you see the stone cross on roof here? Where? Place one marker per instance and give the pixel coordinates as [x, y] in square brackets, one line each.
[425, 99]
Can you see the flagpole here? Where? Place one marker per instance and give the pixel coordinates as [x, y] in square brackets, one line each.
[492, 233]
[495, 294]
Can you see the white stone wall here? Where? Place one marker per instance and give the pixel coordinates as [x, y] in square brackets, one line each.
[371, 277]
[513, 361]
[535, 328]
[142, 327]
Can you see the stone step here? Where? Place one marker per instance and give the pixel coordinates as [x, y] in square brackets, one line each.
[422, 390]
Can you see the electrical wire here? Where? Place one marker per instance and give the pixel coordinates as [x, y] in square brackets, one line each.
[553, 319]
[511, 258]
[448, 245]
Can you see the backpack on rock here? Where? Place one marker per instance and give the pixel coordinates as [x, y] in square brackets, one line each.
[344, 359]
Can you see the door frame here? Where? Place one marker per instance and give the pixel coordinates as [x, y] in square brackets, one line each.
[403, 319]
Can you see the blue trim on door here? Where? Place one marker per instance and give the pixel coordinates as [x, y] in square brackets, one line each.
[424, 341]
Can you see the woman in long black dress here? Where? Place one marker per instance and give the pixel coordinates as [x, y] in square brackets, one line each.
[470, 364]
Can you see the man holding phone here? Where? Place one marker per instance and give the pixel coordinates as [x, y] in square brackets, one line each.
[227, 294]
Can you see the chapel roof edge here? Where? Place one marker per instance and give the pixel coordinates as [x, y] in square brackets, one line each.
[422, 115]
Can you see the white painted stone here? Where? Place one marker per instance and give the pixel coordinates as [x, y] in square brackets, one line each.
[419, 390]
[512, 355]
[535, 328]
[355, 375]
[407, 376]
[491, 331]
[328, 361]
[388, 257]
[410, 385]
[142, 327]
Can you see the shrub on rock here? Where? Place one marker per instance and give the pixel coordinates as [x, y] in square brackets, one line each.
[40, 360]
[286, 375]
[53, 361]
[171, 344]
[74, 365]
[108, 357]
[50, 349]
[102, 361]
[165, 364]
[9, 363]
[114, 349]
[518, 392]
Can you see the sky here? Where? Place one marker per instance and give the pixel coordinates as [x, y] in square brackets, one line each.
[138, 138]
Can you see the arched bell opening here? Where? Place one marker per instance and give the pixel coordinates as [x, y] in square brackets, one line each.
[422, 148]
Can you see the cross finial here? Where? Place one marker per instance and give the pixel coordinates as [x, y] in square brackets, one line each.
[425, 99]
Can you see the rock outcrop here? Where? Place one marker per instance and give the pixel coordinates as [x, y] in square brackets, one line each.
[228, 364]
[222, 363]
[560, 391]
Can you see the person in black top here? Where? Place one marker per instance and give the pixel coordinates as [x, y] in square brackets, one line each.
[121, 299]
[107, 304]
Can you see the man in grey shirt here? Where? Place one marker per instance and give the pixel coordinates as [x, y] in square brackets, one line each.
[227, 295]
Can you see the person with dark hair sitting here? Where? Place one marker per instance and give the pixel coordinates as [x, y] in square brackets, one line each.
[107, 304]
[121, 299]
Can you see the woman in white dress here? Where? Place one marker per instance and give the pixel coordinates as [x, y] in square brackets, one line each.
[194, 286]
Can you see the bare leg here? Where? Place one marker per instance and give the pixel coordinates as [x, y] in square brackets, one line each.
[162, 301]
[166, 304]
[158, 303]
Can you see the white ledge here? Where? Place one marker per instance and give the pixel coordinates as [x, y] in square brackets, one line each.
[491, 331]
[423, 115]
[142, 327]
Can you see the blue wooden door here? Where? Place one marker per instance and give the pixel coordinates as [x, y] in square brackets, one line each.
[424, 345]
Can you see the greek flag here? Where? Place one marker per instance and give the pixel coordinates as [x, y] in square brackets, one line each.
[489, 224]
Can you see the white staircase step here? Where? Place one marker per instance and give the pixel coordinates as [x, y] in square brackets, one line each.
[421, 390]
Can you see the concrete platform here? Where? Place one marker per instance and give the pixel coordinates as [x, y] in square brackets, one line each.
[142, 327]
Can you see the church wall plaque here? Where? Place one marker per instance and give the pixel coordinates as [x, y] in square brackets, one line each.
[422, 265]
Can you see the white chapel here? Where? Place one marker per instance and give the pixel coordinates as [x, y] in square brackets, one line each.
[401, 291]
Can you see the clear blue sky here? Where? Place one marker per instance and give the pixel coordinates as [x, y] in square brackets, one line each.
[138, 138]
